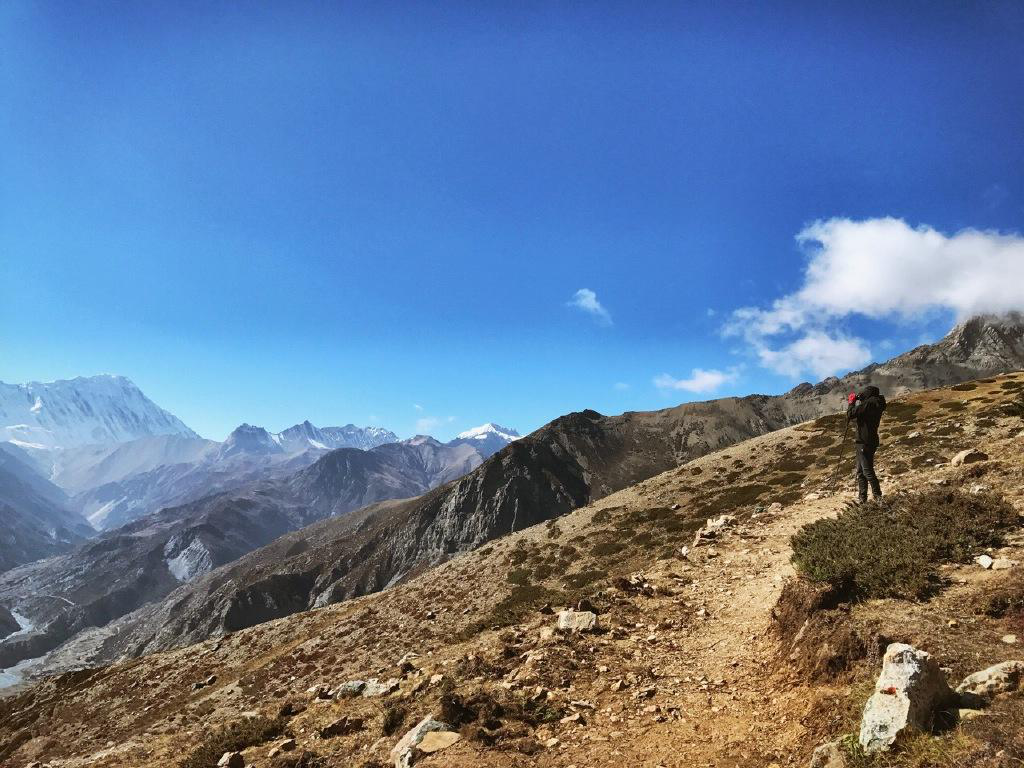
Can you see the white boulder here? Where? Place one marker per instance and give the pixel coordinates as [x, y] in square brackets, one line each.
[910, 689]
[577, 621]
[404, 753]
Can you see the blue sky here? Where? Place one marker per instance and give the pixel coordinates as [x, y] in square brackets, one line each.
[384, 213]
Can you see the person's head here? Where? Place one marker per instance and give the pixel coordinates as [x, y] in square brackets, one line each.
[869, 391]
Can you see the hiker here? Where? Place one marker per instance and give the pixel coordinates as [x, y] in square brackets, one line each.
[867, 409]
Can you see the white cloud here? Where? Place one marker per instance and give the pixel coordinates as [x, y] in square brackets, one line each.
[878, 268]
[700, 380]
[816, 352]
[424, 425]
[417, 406]
[586, 300]
[620, 386]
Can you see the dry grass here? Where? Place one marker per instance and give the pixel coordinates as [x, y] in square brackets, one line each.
[234, 738]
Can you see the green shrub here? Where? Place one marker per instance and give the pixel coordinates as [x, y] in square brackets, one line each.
[303, 759]
[606, 548]
[521, 601]
[964, 387]
[901, 412]
[892, 549]
[520, 576]
[790, 478]
[394, 716]
[1015, 407]
[542, 571]
[820, 441]
[584, 578]
[794, 463]
[234, 738]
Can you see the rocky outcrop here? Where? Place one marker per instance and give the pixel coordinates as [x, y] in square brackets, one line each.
[980, 688]
[415, 742]
[8, 624]
[910, 690]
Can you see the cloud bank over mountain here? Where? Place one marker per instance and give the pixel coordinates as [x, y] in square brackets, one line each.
[879, 269]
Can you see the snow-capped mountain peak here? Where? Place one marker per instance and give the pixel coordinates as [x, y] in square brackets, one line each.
[487, 430]
[82, 411]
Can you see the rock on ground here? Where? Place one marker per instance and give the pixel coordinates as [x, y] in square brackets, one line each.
[910, 689]
[983, 686]
[341, 727]
[970, 456]
[577, 621]
[830, 755]
[435, 741]
[403, 754]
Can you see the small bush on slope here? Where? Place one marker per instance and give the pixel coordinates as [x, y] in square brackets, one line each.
[303, 759]
[1015, 407]
[891, 549]
[234, 738]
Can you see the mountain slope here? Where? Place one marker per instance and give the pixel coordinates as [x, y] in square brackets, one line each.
[80, 411]
[36, 522]
[146, 559]
[571, 462]
[689, 667]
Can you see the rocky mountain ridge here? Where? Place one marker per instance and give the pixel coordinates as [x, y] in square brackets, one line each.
[575, 460]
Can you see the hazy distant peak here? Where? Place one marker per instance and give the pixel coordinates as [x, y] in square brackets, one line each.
[485, 430]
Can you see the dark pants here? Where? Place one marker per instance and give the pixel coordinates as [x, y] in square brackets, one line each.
[866, 472]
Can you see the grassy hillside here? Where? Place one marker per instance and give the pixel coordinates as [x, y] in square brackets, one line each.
[719, 657]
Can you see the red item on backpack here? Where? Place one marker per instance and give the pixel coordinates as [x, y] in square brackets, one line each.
[851, 398]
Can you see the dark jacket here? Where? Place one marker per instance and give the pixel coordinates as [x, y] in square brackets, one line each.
[867, 410]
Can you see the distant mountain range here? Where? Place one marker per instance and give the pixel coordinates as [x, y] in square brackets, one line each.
[117, 456]
[114, 484]
[220, 557]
